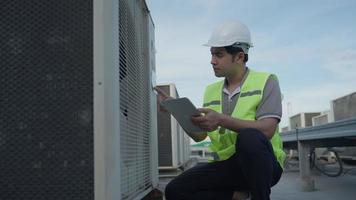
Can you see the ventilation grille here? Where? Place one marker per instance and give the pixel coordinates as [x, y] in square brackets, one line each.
[134, 98]
[46, 99]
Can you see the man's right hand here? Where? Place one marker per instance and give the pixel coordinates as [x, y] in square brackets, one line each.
[161, 96]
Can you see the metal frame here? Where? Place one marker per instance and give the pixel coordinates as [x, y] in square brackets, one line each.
[339, 129]
[106, 101]
[154, 140]
[340, 133]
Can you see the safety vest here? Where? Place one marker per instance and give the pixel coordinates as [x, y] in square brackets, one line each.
[223, 141]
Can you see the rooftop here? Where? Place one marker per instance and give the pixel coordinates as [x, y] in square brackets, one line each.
[327, 188]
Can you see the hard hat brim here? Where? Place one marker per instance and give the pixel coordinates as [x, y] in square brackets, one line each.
[245, 47]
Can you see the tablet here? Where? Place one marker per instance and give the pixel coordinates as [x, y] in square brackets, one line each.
[183, 109]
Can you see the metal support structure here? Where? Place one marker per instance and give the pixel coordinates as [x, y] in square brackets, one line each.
[307, 182]
[335, 134]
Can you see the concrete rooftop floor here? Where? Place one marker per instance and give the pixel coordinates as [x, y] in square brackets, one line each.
[288, 188]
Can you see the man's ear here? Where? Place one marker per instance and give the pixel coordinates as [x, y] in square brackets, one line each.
[239, 57]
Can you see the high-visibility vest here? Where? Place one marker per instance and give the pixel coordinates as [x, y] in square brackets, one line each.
[251, 93]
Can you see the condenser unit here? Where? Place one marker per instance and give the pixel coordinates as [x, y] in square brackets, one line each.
[173, 142]
[323, 118]
[183, 147]
[344, 107]
[77, 109]
[302, 120]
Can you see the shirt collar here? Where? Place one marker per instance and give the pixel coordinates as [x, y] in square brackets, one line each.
[238, 89]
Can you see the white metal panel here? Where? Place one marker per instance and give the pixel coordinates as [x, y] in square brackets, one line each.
[181, 146]
[184, 147]
[106, 101]
[323, 118]
[332, 113]
[153, 106]
[187, 148]
[302, 119]
[174, 131]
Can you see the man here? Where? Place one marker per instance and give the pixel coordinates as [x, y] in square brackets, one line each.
[240, 116]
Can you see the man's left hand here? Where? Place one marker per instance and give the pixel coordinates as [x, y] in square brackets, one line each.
[209, 121]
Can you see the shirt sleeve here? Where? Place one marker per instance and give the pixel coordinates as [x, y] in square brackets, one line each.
[271, 103]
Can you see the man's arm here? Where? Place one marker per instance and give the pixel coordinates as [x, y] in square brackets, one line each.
[212, 120]
[266, 125]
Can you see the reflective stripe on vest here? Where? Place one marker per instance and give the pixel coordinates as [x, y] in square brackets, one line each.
[223, 141]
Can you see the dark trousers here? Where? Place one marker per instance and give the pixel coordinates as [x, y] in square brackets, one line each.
[252, 168]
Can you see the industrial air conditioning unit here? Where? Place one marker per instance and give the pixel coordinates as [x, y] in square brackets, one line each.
[302, 120]
[183, 147]
[77, 110]
[173, 142]
[344, 107]
[323, 118]
[285, 128]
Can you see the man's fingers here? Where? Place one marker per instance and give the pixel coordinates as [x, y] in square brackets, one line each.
[161, 92]
[204, 110]
[198, 119]
[162, 109]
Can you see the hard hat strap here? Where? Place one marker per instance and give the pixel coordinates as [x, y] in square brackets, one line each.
[245, 47]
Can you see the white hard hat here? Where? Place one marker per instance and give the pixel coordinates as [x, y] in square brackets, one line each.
[231, 33]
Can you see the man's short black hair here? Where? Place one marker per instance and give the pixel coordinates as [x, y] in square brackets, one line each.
[234, 50]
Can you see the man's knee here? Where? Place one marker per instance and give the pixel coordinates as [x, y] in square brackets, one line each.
[172, 190]
[169, 190]
[251, 141]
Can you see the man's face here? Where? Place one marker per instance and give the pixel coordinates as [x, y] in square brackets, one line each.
[224, 64]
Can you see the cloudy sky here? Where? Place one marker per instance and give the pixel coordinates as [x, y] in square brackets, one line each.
[309, 44]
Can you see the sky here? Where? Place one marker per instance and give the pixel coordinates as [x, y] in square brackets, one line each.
[309, 44]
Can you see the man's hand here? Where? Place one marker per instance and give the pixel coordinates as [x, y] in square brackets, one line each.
[162, 96]
[209, 121]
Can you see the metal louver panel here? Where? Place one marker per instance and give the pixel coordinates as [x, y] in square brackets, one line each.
[46, 99]
[135, 102]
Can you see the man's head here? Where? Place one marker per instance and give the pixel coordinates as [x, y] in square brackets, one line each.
[229, 42]
[227, 61]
